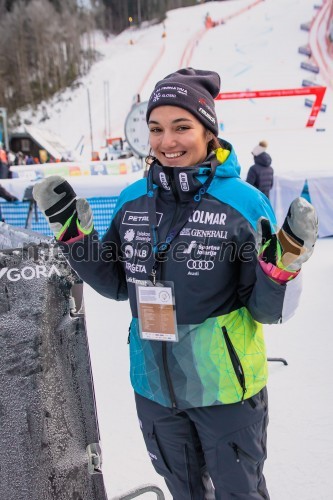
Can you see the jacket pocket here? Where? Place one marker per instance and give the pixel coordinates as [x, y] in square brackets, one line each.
[156, 455]
[237, 366]
[239, 454]
[154, 449]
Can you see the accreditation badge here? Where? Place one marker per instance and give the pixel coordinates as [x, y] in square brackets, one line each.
[157, 311]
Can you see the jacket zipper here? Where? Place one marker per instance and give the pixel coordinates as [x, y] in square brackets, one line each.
[167, 375]
[235, 361]
[177, 199]
[164, 344]
[165, 363]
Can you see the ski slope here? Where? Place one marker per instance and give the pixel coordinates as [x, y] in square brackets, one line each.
[255, 49]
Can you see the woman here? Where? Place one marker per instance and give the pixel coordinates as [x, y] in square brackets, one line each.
[182, 246]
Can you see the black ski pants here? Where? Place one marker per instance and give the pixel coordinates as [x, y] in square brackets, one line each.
[207, 453]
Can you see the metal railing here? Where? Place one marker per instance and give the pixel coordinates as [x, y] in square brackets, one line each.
[148, 488]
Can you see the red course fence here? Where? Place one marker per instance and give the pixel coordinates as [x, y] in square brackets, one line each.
[319, 92]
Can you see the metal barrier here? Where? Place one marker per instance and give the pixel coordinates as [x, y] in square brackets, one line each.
[149, 488]
[281, 360]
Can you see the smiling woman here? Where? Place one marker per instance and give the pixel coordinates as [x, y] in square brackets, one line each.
[193, 248]
[176, 137]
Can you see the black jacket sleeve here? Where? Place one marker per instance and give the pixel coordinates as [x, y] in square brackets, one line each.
[98, 263]
[262, 296]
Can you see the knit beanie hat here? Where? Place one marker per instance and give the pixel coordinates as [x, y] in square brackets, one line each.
[191, 89]
[260, 148]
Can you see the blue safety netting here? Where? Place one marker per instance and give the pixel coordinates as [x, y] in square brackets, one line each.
[26, 215]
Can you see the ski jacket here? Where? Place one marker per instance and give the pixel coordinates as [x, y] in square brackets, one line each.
[222, 295]
[3, 156]
[261, 173]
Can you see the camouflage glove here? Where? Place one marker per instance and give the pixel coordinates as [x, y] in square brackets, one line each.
[285, 252]
[69, 217]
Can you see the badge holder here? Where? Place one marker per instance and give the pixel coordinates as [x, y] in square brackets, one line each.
[157, 311]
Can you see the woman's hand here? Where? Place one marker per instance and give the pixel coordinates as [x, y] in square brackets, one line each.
[282, 254]
[69, 217]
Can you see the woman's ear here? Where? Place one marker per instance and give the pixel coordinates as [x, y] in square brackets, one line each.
[209, 135]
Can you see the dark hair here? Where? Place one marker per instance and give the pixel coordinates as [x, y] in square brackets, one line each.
[213, 144]
[149, 159]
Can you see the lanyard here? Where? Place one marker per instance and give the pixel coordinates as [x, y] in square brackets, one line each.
[160, 248]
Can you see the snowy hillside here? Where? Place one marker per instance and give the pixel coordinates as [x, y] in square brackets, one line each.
[255, 49]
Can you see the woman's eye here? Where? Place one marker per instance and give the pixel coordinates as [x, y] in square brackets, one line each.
[182, 127]
[154, 130]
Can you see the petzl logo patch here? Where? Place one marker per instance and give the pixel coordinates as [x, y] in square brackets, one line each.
[139, 218]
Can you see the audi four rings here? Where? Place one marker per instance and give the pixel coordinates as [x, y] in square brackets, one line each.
[203, 265]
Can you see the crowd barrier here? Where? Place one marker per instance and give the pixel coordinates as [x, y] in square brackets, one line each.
[286, 188]
[101, 191]
[26, 214]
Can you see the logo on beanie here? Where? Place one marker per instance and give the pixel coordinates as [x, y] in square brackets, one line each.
[180, 90]
[207, 115]
[156, 97]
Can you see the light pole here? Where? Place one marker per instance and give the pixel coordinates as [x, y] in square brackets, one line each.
[139, 11]
[90, 123]
[130, 20]
[3, 128]
[107, 109]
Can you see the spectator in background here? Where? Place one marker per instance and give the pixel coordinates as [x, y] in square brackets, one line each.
[3, 163]
[20, 158]
[11, 158]
[261, 174]
[29, 160]
[8, 197]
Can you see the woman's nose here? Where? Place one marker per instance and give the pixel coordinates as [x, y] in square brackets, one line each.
[168, 140]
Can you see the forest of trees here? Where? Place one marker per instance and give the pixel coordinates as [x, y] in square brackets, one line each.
[117, 12]
[45, 45]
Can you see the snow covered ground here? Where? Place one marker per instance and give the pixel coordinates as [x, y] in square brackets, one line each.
[300, 438]
[256, 49]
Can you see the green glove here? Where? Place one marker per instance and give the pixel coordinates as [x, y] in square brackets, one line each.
[69, 217]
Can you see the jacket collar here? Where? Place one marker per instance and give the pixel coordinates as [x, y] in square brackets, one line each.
[184, 182]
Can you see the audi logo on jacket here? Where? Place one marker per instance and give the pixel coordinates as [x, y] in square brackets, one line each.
[222, 295]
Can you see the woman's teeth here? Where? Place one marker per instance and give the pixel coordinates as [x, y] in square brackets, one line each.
[173, 155]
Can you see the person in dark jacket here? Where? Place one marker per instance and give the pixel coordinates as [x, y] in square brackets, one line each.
[3, 163]
[6, 196]
[261, 174]
[194, 249]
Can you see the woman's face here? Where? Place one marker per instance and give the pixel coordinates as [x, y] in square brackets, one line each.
[176, 137]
